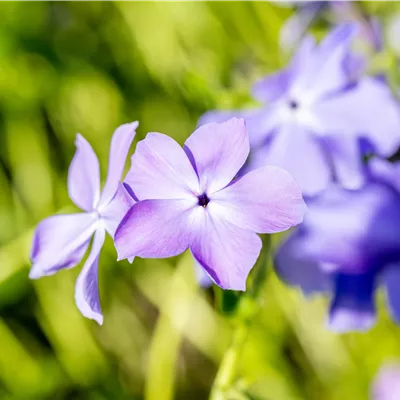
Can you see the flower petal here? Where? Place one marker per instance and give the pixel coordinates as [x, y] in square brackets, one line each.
[202, 277]
[226, 252]
[265, 200]
[346, 157]
[59, 242]
[120, 144]
[353, 306]
[391, 279]
[219, 116]
[272, 87]
[155, 229]
[354, 229]
[295, 26]
[87, 285]
[116, 209]
[324, 71]
[217, 152]
[161, 170]
[261, 125]
[303, 54]
[84, 176]
[300, 153]
[385, 171]
[353, 112]
[296, 270]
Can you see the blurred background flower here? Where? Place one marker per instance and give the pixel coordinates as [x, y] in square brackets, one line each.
[68, 67]
[386, 385]
[347, 245]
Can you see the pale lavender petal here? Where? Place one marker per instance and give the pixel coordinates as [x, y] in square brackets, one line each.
[324, 72]
[262, 124]
[160, 169]
[113, 212]
[217, 152]
[303, 54]
[300, 153]
[353, 306]
[227, 252]
[296, 270]
[120, 145]
[391, 279]
[87, 285]
[59, 242]
[354, 113]
[346, 157]
[219, 116]
[385, 171]
[272, 87]
[202, 277]
[84, 176]
[265, 200]
[296, 26]
[155, 229]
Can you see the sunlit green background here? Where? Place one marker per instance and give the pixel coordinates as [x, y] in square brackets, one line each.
[89, 67]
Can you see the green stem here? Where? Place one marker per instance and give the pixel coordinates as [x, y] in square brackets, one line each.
[227, 370]
[248, 308]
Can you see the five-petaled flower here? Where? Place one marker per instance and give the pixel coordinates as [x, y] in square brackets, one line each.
[187, 200]
[348, 244]
[61, 241]
[314, 114]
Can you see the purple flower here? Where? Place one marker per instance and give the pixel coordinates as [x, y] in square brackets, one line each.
[387, 383]
[187, 200]
[348, 244]
[307, 12]
[314, 114]
[61, 241]
[299, 22]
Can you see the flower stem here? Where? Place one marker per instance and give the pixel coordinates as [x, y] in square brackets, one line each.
[248, 308]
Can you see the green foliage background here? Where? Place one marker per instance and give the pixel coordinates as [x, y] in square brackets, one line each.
[68, 67]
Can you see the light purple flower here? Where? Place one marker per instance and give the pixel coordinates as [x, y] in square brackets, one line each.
[299, 22]
[188, 200]
[387, 383]
[308, 12]
[348, 244]
[314, 114]
[61, 241]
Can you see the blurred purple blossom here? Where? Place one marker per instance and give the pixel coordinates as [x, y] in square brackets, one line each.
[348, 244]
[314, 113]
[307, 12]
[387, 383]
[187, 200]
[297, 25]
[61, 241]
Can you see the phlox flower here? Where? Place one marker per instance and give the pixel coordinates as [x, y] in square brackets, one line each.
[348, 245]
[61, 241]
[187, 199]
[315, 113]
[299, 22]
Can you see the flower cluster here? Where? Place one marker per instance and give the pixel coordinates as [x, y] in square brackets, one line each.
[173, 199]
[318, 120]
